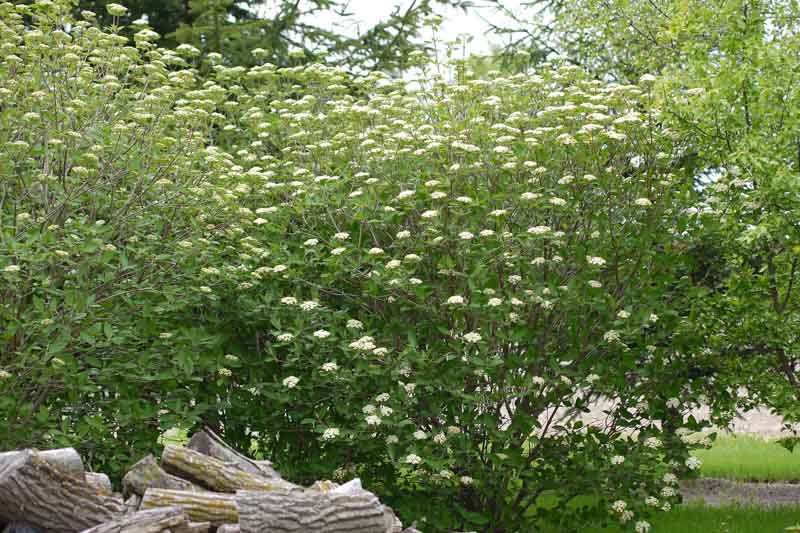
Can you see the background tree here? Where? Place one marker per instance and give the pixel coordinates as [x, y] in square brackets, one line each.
[163, 16]
[728, 72]
[289, 32]
[531, 28]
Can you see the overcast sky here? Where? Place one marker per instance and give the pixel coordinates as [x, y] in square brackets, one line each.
[369, 12]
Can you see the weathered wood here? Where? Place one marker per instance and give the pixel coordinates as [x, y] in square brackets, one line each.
[210, 507]
[149, 521]
[196, 527]
[158, 520]
[347, 509]
[213, 473]
[132, 503]
[100, 482]
[21, 527]
[66, 459]
[228, 528]
[146, 474]
[34, 491]
[266, 467]
[209, 443]
[393, 524]
[324, 486]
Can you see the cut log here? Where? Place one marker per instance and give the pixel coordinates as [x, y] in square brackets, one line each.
[146, 474]
[34, 491]
[195, 527]
[149, 521]
[66, 459]
[21, 527]
[209, 443]
[213, 474]
[266, 466]
[100, 482]
[228, 528]
[347, 509]
[132, 503]
[393, 524]
[210, 507]
[158, 520]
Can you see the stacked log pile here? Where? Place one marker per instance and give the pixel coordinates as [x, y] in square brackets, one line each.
[204, 487]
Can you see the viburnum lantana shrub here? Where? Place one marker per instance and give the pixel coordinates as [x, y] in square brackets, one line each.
[104, 149]
[429, 289]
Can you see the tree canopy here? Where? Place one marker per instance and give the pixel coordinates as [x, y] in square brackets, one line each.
[288, 32]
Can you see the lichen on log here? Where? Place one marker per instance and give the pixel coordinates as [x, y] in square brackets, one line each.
[147, 474]
[210, 507]
[214, 474]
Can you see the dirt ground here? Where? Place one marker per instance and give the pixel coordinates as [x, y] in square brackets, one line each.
[717, 492]
[756, 421]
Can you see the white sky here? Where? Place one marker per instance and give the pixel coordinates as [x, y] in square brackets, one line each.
[456, 23]
[366, 13]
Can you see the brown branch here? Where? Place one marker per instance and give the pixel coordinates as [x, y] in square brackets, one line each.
[788, 294]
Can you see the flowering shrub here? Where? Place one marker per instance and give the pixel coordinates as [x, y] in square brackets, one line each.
[428, 289]
[104, 149]
[424, 289]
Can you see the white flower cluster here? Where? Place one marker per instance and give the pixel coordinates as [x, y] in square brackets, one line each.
[291, 382]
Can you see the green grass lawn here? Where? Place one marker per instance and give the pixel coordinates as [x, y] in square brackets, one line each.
[697, 519]
[748, 458]
[700, 519]
[743, 458]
